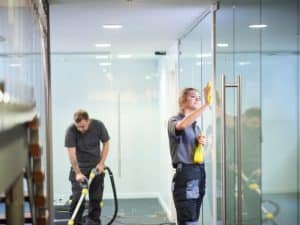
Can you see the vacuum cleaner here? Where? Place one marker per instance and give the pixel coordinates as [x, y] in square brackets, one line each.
[85, 191]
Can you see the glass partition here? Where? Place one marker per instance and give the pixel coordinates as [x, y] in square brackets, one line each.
[22, 75]
[23, 83]
[238, 56]
[262, 47]
[196, 70]
[21, 64]
[280, 110]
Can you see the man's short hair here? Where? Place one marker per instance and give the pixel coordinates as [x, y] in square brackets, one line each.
[80, 115]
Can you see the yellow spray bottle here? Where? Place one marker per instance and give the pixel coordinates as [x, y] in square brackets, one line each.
[199, 153]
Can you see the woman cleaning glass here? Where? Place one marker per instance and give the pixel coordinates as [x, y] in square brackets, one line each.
[186, 141]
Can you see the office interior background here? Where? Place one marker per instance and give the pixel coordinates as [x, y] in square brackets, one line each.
[53, 61]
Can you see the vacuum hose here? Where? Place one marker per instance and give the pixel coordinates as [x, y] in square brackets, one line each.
[111, 177]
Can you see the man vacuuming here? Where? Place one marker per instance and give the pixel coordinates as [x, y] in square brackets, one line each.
[82, 141]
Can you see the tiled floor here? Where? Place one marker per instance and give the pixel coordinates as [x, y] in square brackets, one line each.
[149, 211]
[131, 212]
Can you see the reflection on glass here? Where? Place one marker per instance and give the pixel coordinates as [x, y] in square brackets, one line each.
[251, 161]
[21, 73]
[265, 58]
[22, 78]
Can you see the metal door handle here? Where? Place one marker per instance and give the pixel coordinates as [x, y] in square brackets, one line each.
[223, 150]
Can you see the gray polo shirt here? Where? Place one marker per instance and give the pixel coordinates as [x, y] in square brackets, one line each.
[182, 143]
[87, 144]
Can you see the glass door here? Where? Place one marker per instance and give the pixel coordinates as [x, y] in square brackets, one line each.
[258, 41]
[238, 110]
[196, 70]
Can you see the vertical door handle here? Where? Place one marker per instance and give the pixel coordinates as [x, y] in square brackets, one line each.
[223, 150]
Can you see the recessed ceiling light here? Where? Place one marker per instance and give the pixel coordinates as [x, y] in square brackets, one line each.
[112, 26]
[105, 64]
[222, 45]
[257, 26]
[147, 77]
[103, 45]
[15, 65]
[102, 56]
[124, 56]
[203, 63]
[204, 55]
[244, 63]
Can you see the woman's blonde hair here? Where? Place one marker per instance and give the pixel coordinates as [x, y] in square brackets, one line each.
[183, 97]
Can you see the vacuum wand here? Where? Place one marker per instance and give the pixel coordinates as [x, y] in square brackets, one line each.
[85, 190]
